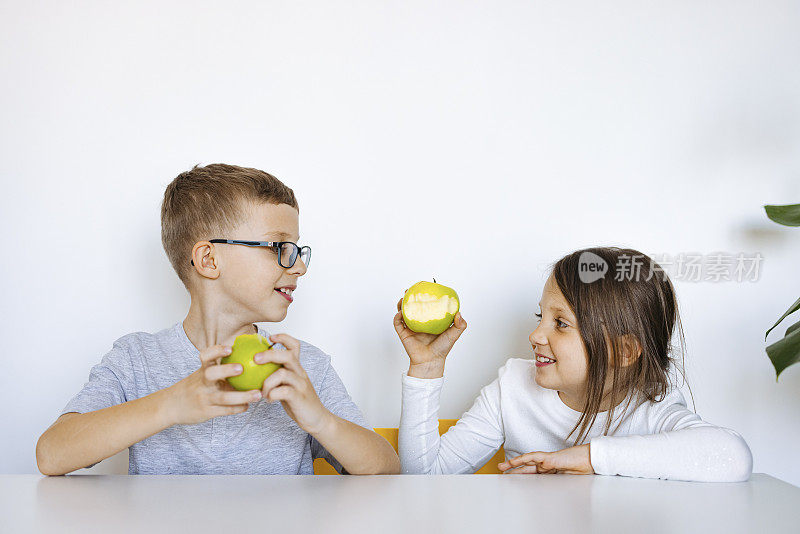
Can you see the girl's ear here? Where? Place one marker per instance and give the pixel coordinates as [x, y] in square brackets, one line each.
[629, 350]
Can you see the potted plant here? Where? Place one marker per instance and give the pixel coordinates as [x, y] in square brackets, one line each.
[786, 351]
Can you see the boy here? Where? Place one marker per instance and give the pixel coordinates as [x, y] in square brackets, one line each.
[165, 396]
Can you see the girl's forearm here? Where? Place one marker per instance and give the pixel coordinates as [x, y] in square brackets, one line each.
[464, 447]
[701, 454]
[433, 369]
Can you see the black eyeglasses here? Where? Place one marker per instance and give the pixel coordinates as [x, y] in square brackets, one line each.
[287, 251]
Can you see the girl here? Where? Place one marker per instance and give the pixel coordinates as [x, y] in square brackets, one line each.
[601, 377]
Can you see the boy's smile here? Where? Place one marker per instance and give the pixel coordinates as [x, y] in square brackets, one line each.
[286, 292]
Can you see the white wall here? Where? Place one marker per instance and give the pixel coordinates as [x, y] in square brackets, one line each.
[474, 142]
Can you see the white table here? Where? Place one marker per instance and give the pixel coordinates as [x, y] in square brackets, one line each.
[401, 503]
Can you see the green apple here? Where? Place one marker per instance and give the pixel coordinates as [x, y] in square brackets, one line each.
[245, 347]
[429, 307]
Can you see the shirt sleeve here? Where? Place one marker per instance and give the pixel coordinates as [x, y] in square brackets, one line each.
[681, 446]
[335, 398]
[465, 447]
[107, 383]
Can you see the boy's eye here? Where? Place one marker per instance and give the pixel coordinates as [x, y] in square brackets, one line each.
[539, 315]
[561, 324]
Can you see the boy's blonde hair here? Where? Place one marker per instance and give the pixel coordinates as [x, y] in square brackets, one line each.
[208, 202]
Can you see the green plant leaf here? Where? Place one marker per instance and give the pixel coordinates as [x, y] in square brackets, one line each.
[792, 328]
[785, 352]
[793, 308]
[787, 215]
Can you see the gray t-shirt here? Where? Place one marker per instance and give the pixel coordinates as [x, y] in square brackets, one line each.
[262, 440]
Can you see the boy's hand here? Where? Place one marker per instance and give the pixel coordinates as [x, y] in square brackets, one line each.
[427, 352]
[205, 393]
[290, 385]
[570, 461]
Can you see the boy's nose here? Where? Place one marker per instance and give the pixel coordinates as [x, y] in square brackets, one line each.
[299, 268]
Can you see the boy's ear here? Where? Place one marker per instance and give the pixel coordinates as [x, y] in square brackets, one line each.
[629, 350]
[204, 261]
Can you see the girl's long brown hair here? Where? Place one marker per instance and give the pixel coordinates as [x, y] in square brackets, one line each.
[628, 303]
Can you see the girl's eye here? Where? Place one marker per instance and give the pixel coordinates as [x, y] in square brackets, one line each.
[539, 315]
[561, 324]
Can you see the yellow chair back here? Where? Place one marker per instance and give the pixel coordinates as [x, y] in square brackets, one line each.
[322, 467]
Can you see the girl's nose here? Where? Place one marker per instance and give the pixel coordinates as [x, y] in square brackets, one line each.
[537, 337]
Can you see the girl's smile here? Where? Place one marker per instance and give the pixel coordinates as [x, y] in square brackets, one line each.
[542, 360]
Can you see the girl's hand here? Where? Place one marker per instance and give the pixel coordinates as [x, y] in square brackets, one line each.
[427, 351]
[290, 385]
[571, 461]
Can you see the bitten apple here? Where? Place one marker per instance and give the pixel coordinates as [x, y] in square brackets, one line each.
[245, 347]
[429, 307]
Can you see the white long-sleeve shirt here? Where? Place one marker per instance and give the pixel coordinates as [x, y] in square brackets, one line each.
[654, 440]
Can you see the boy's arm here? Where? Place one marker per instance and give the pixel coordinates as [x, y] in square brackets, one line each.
[360, 451]
[79, 440]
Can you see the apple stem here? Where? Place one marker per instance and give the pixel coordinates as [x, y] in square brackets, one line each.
[434, 280]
